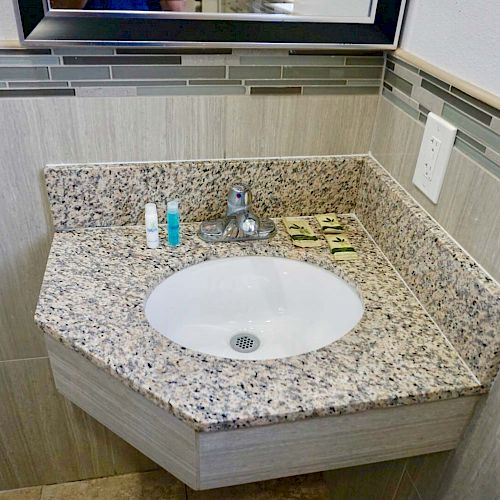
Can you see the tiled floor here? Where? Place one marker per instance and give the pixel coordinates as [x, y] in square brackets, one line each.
[159, 485]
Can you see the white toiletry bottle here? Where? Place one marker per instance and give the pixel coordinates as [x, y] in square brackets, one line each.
[152, 236]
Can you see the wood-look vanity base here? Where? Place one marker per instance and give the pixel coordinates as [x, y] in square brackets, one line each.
[205, 460]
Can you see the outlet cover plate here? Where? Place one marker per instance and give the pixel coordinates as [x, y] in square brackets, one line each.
[435, 151]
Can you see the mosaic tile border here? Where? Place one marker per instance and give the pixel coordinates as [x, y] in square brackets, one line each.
[417, 93]
[102, 71]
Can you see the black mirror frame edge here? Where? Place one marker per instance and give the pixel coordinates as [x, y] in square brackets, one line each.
[38, 28]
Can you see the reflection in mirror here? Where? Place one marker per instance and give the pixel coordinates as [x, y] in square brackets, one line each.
[359, 10]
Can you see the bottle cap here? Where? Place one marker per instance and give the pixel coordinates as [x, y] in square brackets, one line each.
[151, 208]
[173, 206]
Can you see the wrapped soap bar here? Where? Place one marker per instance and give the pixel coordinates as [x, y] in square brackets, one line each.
[301, 232]
[329, 223]
[341, 247]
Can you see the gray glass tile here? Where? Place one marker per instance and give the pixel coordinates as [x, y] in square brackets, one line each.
[401, 104]
[19, 73]
[493, 156]
[124, 83]
[275, 90]
[434, 80]
[3, 85]
[31, 84]
[470, 126]
[458, 103]
[364, 83]
[405, 98]
[292, 60]
[423, 109]
[340, 90]
[475, 155]
[364, 61]
[157, 72]
[254, 72]
[83, 73]
[191, 90]
[398, 82]
[402, 63]
[476, 102]
[390, 65]
[472, 142]
[332, 72]
[414, 78]
[174, 50]
[115, 60]
[106, 91]
[291, 83]
[214, 82]
[29, 61]
[495, 125]
[37, 93]
[83, 51]
[20, 52]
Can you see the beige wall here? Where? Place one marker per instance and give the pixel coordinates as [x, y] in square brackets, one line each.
[43, 438]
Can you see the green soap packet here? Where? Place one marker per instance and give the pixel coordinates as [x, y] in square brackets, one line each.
[301, 232]
[329, 223]
[341, 247]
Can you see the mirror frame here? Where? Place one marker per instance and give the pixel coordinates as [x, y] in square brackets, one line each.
[38, 26]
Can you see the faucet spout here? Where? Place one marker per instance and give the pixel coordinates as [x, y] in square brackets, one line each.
[240, 223]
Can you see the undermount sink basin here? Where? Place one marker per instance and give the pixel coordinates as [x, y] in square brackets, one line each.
[253, 307]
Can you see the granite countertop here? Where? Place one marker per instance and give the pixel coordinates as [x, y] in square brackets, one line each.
[92, 301]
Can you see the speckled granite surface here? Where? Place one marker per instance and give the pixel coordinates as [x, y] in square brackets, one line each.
[92, 301]
[114, 194]
[462, 299]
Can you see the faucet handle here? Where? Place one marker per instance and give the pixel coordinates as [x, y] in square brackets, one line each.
[239, 198]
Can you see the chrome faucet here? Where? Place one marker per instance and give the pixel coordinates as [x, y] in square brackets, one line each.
[240, 223]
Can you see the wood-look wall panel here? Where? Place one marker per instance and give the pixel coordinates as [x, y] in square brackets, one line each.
[378, 481]
[468, 206]
[319, 125]
[44, 438]
[34, 132]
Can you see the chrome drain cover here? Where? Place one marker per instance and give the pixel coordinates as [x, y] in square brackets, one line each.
[244, 342]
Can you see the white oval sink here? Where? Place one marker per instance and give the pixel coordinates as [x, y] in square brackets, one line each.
[253, 307]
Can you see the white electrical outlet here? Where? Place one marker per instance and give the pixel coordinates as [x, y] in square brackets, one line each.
[435, 151]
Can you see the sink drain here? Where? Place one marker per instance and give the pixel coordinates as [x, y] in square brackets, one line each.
[244, 342]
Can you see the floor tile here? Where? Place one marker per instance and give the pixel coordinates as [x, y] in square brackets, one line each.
[154, 485]
[305, 487]
[77, 490]
[22, 494]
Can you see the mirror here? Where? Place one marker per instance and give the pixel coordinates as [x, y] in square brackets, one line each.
[290, 24]
[361, 11]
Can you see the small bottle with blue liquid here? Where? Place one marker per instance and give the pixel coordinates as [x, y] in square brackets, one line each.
[173, 222]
